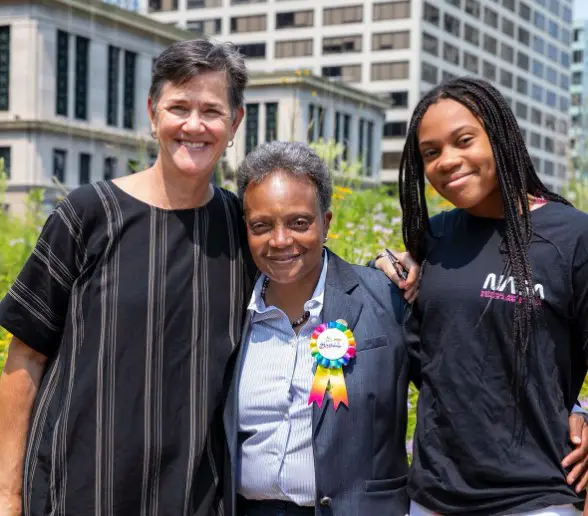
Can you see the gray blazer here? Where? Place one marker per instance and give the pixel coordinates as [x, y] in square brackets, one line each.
[359, 452]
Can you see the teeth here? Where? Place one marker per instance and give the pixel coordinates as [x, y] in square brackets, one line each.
[193, 145]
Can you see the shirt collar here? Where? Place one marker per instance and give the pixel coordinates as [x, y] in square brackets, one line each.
[256, 304]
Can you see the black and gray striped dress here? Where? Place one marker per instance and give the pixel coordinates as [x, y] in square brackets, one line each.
[138, 309]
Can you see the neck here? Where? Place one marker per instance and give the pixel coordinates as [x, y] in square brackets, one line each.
[290, 297]
[174, 191]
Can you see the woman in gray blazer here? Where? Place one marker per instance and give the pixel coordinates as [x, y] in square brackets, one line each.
[343, 453]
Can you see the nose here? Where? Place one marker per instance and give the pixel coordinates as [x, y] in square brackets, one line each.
[450, 160]
[194, 123]
[281, 237]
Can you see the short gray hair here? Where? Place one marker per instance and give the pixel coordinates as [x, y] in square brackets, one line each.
[295, 158]
[184, 60]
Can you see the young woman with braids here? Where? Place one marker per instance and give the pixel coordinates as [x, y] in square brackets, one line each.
[500, 325]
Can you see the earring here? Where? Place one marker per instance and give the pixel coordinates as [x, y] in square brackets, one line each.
[230, 144]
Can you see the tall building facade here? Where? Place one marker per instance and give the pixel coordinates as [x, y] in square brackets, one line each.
[74, 79]
[399, 49]
[579, 100]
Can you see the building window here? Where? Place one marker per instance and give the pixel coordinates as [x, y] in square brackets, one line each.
[523, 61]
[537, 92]
[430, 44]
[455, 3]
[490, 17]
[536, 116]
[203, 4]
[81, 91]
[509, 4]
[472, 35]
[429, 73]
[577, 78]
[431, 14]
[59, 158]
[488, 71]
[391, 11]
[472, 7]
[316, 122]
[129, 90]
[361, 141]
[521, 110]
[470, 62]
[391, 160]
[5, 159]
[251, 127]
[507, 52]
[524, 11]
[398, 99]
[506, 78]
[524, 36]
[393, 40]
[271, 121]
[340, 15]
[240, 2]
[61, 87]
[110, 166]
[211, 27]
[564, 59]
[447, 76]
[451, 53]
[112, 87]
[346, 135]
[538, 44]
[369, 149]
[522, 85]
[294, 19]
[344, 73]
[390, 71]
[5, 70]
[578, 56]
[163, 5]
[564, 82]
[451, 25]
[300, 48]
[85, 168]
[537, 68]
[508, 27]
[395, 129]
[252, 50]
[553, 29]
[539, 20]
[255, 23]
[340, 45]
[490, 44]
[551, 75]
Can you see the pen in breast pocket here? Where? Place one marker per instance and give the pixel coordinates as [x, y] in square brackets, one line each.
[400, 269]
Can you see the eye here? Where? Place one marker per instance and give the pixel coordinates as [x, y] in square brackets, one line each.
[429, 153]
[258, 227]
[178, 109]
[300, 224]
[464, 140]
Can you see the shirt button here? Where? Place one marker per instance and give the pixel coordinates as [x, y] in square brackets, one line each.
[325, 501]
[286, 416]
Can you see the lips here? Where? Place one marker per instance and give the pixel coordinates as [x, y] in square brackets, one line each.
[193, 145]
[458, 179]
[282, 259]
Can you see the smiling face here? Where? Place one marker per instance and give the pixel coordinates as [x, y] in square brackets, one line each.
[458, 158]
[285, 226]
[193, 123]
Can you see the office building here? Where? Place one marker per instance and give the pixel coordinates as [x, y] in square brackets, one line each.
[398, 49]
[74, 78]
[578, 100]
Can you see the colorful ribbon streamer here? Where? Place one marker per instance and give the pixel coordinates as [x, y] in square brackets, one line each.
[332, 345]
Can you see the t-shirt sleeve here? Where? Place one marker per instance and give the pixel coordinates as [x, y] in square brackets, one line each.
[580, 287]
[35, 307]
[412, 340]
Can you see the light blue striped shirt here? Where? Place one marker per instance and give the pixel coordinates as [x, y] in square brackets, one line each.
[275, 421]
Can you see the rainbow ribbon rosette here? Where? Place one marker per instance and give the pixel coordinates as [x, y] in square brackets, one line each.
[332, 345]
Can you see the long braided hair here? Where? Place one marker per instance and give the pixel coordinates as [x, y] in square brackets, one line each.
[517, 180]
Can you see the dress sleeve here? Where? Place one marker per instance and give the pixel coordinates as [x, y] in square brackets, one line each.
[35, 307]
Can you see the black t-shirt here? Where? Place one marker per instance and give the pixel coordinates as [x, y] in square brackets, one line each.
[479, 451]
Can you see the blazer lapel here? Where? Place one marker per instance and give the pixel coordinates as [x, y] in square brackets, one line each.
[339, 303]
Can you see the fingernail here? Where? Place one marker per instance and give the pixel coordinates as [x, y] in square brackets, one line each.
[576, 440]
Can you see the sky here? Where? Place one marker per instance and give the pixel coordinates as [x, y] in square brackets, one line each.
[580, 9]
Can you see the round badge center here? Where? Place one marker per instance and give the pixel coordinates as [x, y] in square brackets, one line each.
[332, 344]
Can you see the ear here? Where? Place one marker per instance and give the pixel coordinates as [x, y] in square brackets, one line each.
[239, 114]
[327, 221]
[151, 114]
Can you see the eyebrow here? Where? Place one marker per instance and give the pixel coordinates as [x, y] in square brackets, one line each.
[453, 133]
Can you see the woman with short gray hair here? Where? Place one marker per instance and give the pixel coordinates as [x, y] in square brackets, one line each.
[125, 316]
[296, 447]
